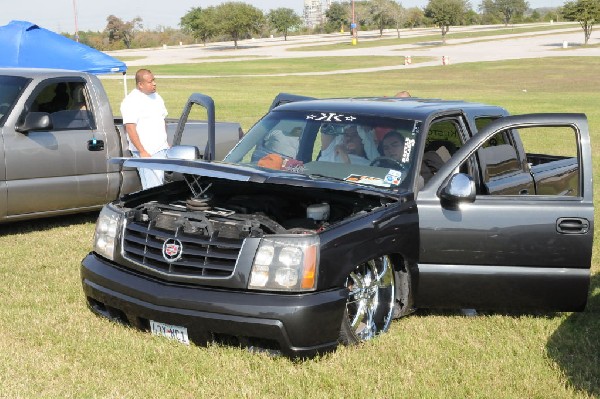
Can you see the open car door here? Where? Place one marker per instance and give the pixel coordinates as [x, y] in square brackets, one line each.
[496, 251]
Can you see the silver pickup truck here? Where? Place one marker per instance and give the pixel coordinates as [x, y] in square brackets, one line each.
[57, 133]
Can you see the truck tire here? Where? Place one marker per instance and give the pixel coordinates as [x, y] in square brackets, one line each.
[371, 301]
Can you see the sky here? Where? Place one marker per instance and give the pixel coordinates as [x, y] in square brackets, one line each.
[59, 15]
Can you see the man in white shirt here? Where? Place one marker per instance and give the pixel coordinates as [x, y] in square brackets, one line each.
[144, 114]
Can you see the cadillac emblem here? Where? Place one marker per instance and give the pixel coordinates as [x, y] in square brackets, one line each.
[172, 250]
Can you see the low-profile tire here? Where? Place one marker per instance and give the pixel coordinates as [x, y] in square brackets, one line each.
[371, 301]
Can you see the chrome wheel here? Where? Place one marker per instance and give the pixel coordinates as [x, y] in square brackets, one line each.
[371, 298]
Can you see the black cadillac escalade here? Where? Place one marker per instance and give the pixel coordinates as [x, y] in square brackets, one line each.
[318, 229]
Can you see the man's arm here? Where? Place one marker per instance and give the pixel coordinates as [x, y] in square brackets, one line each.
[131, 130]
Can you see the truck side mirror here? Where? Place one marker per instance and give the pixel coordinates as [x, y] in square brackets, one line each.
[459, 189]
[188, 152]
[34, 121]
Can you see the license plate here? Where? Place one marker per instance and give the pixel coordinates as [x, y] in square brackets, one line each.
[172, 332]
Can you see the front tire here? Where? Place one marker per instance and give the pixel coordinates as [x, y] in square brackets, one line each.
[371, 300]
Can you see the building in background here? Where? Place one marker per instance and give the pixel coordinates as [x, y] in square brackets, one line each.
[314, 12]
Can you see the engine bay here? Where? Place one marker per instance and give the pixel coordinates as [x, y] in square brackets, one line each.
[236, 210]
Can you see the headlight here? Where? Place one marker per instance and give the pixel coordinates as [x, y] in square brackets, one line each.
[107, 229]
[286, 263]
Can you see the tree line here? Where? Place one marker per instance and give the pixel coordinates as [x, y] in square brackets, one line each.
[235, 21]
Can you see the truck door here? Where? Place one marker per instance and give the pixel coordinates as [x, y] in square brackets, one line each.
[62, 167]
[507, 250]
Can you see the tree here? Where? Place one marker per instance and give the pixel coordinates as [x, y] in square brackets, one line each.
[398, 15]
[505, 9]
[444, 13]
[118, 30]
[238, 20]
[414, 17]
[383, 14]
[201, 23]
[338, 15]
[586, 12]
[284, 19]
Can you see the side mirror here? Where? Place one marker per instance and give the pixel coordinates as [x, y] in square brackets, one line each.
[188, 152]
[459, 189]
[34, 121]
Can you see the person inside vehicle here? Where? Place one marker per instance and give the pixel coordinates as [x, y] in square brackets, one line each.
[78, 99]
[355, 146]
[59, 102]
[392, 145]
[391, 148]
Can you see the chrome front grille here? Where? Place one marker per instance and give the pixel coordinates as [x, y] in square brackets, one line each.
[202, 255]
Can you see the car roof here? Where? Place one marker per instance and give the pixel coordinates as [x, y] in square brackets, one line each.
[393, 107]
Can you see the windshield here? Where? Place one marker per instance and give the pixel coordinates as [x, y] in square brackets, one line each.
[10, 89]
[358, 149]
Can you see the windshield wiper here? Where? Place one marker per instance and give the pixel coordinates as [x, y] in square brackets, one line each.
[320, 176]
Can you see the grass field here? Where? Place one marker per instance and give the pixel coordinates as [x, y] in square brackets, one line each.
[51, 346]
[281, 65]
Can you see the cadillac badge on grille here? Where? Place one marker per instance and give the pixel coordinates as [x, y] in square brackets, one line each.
[172, 250]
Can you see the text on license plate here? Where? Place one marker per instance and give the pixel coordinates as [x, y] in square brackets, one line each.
[172, 332]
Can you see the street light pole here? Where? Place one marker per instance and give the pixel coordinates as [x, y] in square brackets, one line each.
[75, 14]
[353, 25]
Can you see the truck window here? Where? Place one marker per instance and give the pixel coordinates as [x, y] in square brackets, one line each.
[551, 154]
[67, 103]
[11, 88]
[443, 139]
[548, 166]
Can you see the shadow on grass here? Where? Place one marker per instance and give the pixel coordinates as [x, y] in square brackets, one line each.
[230, 47]
[429, 44]
[575, 345]
[27, 226]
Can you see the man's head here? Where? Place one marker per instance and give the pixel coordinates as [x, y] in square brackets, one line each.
[353, 141]
[144, 81]
[392, 145]
[402, 93]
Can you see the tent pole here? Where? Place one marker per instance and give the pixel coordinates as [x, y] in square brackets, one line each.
[125, 83]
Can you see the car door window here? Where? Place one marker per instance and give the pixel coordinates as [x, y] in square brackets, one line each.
[444, 137]
[548, 166]
[67, 105]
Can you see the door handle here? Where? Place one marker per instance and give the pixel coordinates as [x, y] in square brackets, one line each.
[572, 225]
[95, 145]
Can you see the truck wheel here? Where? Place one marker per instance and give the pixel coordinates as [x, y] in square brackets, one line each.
[371, 299]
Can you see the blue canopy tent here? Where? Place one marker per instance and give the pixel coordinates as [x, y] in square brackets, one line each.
[26, 45]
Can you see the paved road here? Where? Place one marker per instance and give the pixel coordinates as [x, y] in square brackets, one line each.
[491, 48]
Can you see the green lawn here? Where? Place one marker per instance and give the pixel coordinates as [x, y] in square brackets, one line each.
[51, 346]
[280, 65]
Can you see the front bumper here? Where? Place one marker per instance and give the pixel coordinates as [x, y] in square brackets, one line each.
[297, 325]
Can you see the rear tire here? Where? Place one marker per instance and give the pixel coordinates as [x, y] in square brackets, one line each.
[371, 301]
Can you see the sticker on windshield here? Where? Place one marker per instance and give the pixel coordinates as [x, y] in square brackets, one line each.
[416, 127]
[393, 177]
[369, 180]
[331, 117]
[408, 146]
